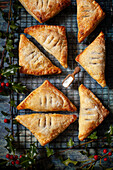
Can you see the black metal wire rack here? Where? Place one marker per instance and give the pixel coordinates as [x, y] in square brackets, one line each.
[67, 18]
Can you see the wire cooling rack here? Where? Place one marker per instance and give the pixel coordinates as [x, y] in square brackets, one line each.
[67, 18]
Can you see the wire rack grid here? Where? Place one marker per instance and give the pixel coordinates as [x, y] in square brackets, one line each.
[67, 18]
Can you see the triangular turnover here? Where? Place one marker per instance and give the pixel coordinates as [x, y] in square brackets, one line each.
[92, 59]
[92, 112]
[43, 10]
[53, 39]
[33, 61]
[89, 15]
[46, 127]
[47, 98]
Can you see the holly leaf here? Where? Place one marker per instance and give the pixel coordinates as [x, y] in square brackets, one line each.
[10, 70]
[7, 129]
[49, 151]
[29, 158]
[70, 143]
[18, 87]
[10, 143]
[93, 135]
[33, 151]
[3, 163]
[108, 134]
[4, 113]
[68, 161]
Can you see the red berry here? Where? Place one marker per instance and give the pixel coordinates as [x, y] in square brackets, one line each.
[105, 151]
[20, 156]
[5, 120]
[7, 84]
[105, 159]
[7, 156]
[1, 90]
[11, 157]
[17, 162]
[2, 84]
[96, 157]
[110, 153]
[16, 157]
[12, 162]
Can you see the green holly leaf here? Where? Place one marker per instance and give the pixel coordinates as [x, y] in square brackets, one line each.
[33, 151]
[93, 135]
[70, 143]
[18, 87]
[7, 129]
[49, 151]
[68, 161]
[10, 70]
[3, 163]
[4, 113]
[10, 143]
[13, 26]
[108, 134]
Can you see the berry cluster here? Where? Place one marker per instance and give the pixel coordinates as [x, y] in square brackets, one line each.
[104, 151]
[13, 159]
[3, 85]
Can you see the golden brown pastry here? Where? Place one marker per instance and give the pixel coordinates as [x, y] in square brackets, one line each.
[92, 112]
[33, 61]
[47, 98]
[92, 59]
[89, 15]
[43, 10]
[46, 127]
[53, 39]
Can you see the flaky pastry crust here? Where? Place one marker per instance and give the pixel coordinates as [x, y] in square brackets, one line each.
[47, 98]
[43, 10]
[89, 15]
[33, 61]
[53, 39]
[92, 59]
[92, 112]
[46, 127]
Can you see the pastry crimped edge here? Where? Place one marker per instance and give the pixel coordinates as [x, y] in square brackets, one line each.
[105, 112]
[61, 30]
[52, 70]
[42, 17]
[55, 133]
[71, 107]
[100, 37]
[95, 23]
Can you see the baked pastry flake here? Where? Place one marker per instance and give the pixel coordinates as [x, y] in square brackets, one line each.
[89, 15]
[43, 10]
[92, 112]
[46, 127]
[33, 61]
[53, 39]
[47, 98]
[92, 59]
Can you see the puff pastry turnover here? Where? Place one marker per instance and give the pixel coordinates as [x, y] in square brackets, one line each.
[89, 15]
[46, 127]
[33, 61]
[53, 39]
[43, 10]
[92, 59]
[92, 112]
[47, 98]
